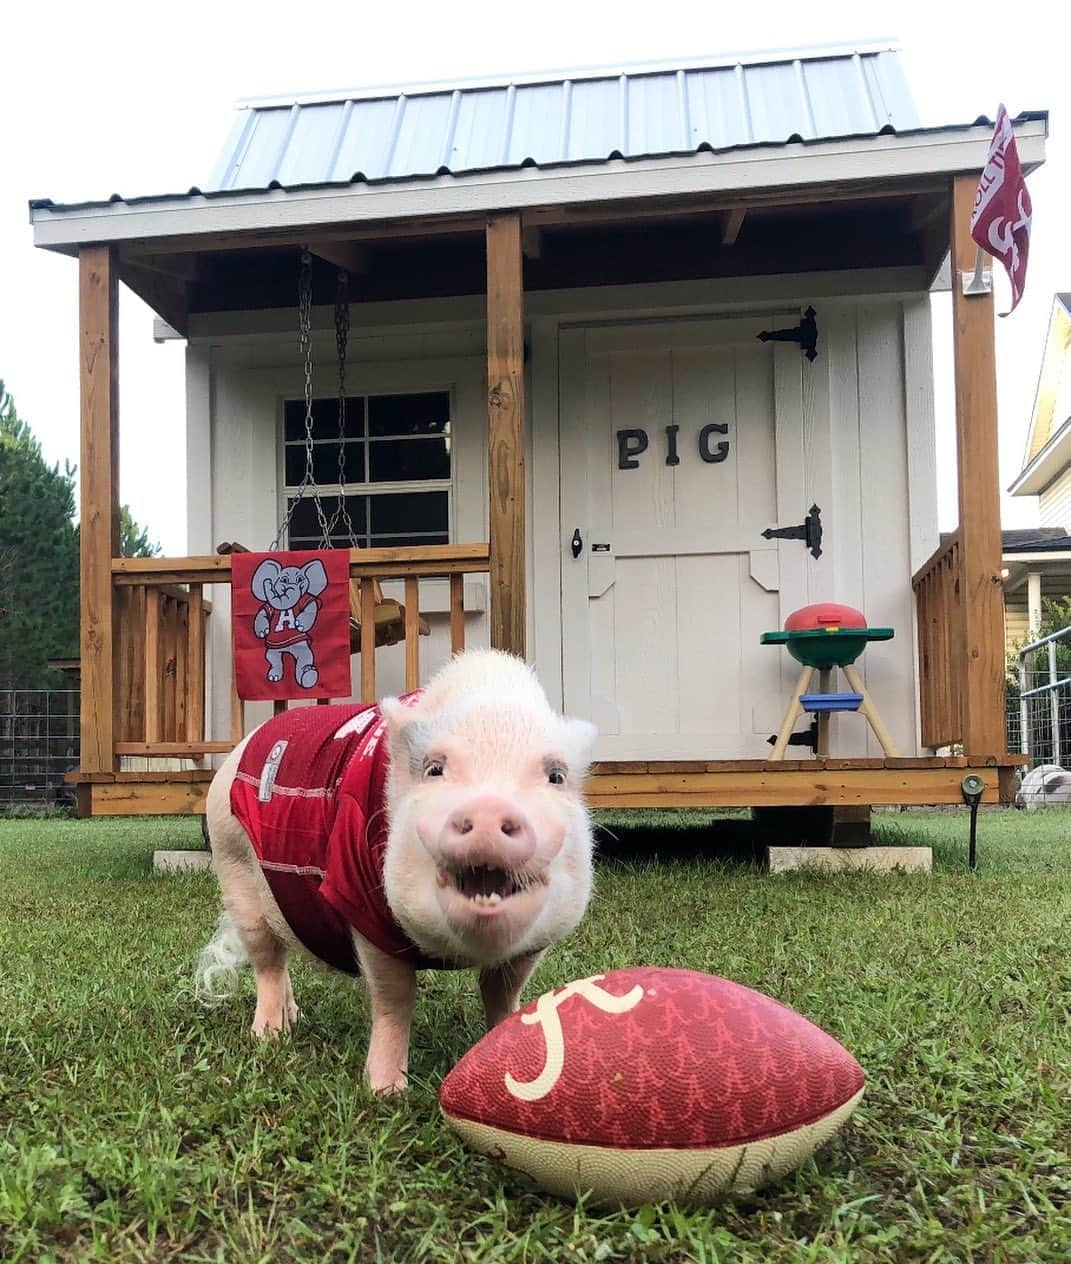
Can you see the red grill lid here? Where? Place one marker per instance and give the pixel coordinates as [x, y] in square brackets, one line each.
[824, 614]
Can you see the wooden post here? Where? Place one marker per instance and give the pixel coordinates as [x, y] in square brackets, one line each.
[98, 475]
[505, 438]
[457, 613]
[981, 649]
[412, 633]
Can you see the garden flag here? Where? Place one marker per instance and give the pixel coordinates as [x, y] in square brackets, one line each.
[290, 622]
[1000, 223]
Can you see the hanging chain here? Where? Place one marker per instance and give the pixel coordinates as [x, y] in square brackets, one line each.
[305, 344]
[342, 333]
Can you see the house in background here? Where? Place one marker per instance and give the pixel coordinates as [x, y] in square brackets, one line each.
[1037, 562]
[618, 341]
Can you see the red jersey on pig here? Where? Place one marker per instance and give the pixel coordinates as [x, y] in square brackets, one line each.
[471, 848]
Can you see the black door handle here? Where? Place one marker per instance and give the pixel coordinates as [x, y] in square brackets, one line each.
[577, 543]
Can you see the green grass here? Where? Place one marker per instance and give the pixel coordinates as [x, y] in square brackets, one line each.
[134, 1126]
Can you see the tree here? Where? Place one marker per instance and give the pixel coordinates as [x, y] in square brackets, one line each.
[133, 539]
[38, 556]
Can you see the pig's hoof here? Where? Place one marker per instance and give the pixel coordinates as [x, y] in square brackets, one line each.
[390, 1087]
[309, 677]
[275, 675]
[271, 1026]
[384, 1083]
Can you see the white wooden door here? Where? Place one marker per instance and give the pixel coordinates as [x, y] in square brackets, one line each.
[673, 584]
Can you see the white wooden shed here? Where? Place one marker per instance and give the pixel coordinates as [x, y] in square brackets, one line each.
[557, 389]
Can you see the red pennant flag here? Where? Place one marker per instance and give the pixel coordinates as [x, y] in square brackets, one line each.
[290, 624]
[1000, 222]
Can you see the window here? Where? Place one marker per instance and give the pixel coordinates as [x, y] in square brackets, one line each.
[395, 470]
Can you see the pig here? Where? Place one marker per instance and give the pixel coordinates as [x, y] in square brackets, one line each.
[442, 830]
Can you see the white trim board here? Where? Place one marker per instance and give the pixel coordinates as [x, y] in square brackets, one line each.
[887, 157]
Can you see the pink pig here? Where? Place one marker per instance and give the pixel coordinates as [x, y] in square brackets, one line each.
[442, 830]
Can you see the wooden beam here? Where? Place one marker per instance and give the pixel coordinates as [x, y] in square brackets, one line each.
[731, 224]
[791, 788]
[152, 798]
[427, 561]
[350, 256]
[98, 315]
[179, 267]
[168, 296]
[273, 239]
[505, 440]
[974, 355]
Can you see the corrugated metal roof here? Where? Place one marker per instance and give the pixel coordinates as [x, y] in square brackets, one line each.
[589, 116]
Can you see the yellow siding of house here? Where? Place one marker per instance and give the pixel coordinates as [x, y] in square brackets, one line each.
[1016, 620]
[1054, 503]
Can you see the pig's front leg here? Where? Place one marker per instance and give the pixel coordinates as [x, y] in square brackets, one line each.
[392, 993]
[501, 986]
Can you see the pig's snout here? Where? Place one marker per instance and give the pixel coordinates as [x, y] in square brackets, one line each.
[488, 831]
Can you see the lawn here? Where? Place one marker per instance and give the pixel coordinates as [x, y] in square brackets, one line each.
[134, 1126]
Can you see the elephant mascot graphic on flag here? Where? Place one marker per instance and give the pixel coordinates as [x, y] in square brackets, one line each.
[290, 597]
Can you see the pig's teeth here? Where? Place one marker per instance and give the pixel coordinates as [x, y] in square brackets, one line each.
[487, 901]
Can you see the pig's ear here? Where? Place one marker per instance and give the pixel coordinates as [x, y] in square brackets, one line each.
[407, 735]
[580, 738]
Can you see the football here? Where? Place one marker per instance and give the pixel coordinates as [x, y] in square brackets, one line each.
[644, 1084]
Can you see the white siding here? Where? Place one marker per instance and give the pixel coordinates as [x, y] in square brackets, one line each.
[1054, 503]
[868, 452]
[874, 528]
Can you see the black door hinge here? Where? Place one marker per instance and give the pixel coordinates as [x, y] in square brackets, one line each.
[805, 333]
[809, 531]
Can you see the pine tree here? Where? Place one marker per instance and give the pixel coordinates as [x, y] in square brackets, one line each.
[134, 539]
[38, 556]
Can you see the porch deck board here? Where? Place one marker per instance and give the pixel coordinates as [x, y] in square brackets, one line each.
[650, 784]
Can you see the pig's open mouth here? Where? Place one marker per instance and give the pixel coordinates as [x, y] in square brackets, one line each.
[487, 886]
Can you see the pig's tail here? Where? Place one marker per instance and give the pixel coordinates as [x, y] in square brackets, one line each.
[216, 979]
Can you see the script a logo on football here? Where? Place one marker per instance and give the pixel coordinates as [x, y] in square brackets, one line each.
[546, 1015]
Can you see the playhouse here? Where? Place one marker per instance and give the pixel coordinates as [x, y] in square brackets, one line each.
[616, 370]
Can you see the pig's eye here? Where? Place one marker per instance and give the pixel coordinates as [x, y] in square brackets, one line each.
[433, 767]
[556, 775]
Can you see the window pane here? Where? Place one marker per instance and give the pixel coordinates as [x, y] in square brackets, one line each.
[305, 524]
[397, 541]
[419, 512]
[426, 414]
[408, 460]
[324, 464]
[324, 418]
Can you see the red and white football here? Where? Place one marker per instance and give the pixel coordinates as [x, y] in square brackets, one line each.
[644, 1084]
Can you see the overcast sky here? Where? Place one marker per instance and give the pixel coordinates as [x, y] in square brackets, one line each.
[136, 98]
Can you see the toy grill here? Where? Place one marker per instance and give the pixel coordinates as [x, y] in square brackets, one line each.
[826, 635]
[820, 638]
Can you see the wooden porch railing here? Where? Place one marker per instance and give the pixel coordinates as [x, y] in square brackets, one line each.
[160, 636]
[939, 609]
[160, 669]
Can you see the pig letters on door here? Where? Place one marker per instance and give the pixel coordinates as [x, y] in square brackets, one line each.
[290, 624]
[631, 444]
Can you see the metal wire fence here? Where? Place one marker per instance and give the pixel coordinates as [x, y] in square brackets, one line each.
[38, 744]
[1039, 708]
